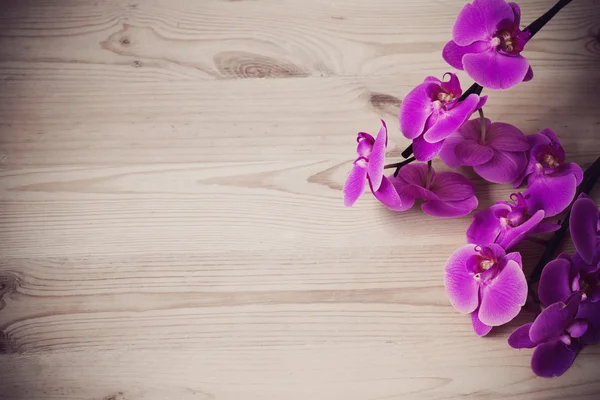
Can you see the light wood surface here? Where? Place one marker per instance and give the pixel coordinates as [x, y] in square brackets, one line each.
[171, 222]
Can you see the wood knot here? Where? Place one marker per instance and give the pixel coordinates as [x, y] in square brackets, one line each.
[240, 64]
[124, 41]
[116, 396]
[385, 103]
[137, 64]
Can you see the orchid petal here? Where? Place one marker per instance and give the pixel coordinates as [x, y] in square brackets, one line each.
[553, 320]
[389, 197]
[485, 227]
[569, 169]
[528, 75]
[519, 339]
[425, 151]
[377, 159]
[552, 359]
[453, 53]
[355, 185]
[461, 287]
[479, 327]
[555, 282]
[472, 153]
[506, 137]
[551, 194]
[451, 186]
[415, 109]
[515, 235]
[591, 313]
[447, 151]
[449, 121]
[545, 227]
[450, 209]
[452, 86]
[503, 167]
[577, 328]
[583, 224]
[516, 257]
[504, 296]
[494, 70]
[479, 21]
[414, 174]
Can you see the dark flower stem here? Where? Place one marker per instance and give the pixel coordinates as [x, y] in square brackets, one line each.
[533, 28]
[539, 23]
[399, 165]
[590, 176]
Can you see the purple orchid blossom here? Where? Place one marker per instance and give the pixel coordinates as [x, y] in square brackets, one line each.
[555, 336]
[431, 112]
[445, 194]
[552, 183]
[368, 167]
[506, 223]
[487, 283]
[496, 151]
[487, 44]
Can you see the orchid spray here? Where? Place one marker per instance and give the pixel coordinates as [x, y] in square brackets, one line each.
[485, 277]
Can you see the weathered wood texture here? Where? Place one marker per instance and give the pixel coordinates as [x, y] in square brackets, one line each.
[171, 223]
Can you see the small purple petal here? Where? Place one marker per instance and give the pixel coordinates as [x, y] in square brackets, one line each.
[555, 282]
[355, 185]
[519, 339]
[504, 167]
[577, 328]
[516, 257]
[377, 159]
[569, 169]
[506, 137]
[583, 223]
[552, 359]
[551, 322]
[480, 20]
[453, 53]
[461, 287]
[551, 194]
[415, 109]
[485, 226]
[449, 121]
[451, 186]
[515, 235]
[450, 209]
[528, 75]
[425, 151]
[452, 86]
[545, 227]
[494, 70]
[414, 174]
[504, 296]
[479, 327]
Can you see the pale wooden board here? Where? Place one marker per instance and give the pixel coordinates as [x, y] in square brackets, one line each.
[171, 224]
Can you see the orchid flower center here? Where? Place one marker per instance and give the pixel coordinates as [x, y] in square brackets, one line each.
[550, 161]
[506, 41]
[445, 97]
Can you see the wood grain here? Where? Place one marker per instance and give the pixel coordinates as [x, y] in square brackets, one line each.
[171, 224]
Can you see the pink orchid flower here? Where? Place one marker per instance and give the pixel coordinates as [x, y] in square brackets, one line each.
[497, 152]
[552, 182]
[486, 283]
[445, 194]
[506, 223]
[487, 43]
[368, 167]
[431, 112]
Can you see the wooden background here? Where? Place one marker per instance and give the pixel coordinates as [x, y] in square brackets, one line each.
[171, 221]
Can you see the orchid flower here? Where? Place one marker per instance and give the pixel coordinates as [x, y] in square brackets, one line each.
[507, 223]
[369, 167]
[497, 152]
[431, 112]
[487, 283]
[552, 182]
[555, 335]
[487, 43]
[445, 194]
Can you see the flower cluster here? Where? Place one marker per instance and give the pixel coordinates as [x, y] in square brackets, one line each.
[485, 277]
[569, 289]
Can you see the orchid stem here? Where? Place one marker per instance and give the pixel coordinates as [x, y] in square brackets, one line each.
[399, 165]
[539, 23]
[482, 119]
[590, 176]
